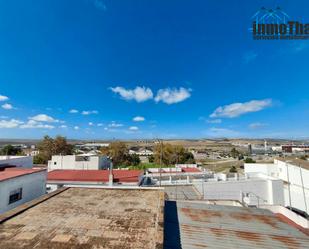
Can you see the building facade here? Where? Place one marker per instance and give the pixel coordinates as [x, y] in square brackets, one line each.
[295, 175]
[20, 185]
[79, 162]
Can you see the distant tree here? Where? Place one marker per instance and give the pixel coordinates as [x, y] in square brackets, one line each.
[234, 153]
[134, 160]
[172, 154]
[249, 160]
[10, 150]
[39, 159]
[303, 157]
[151, 158]
[233, 169]
[49, 147]
[119, 153]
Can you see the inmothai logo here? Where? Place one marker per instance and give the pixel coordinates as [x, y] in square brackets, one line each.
[275, 24]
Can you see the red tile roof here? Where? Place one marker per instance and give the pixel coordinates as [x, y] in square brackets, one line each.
[9, 173]
[93, 175]
[191, 170]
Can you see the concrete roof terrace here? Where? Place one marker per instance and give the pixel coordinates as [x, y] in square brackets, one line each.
[86, 218]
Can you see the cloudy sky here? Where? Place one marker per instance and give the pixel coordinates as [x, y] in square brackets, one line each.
[148, 69]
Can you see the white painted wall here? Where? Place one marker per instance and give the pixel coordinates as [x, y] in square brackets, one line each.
[18, 161]
[280, 169]
[271, 191]
[33, 186]
[78, 162]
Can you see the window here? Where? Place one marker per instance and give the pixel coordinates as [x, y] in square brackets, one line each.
[15, 195]
[55, 163]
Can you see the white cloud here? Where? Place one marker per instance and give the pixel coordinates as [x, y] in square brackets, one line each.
[99, 124]
[173, 95]
[133, 128]
[13, 123]
[138, 119]
[89, 112]
[44, 118]
[113, 124]
[3, 98]
[7, 106]
[139, 94]
[256, 125]
[3, 117]
[63, 126]
[90, 124]
[73, 111]
[237, 109]
[214, 121]
[76, 127]
[32, 124]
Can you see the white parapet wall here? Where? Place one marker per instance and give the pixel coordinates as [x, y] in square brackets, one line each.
[255, 191]
[18, 161]
[299, 220]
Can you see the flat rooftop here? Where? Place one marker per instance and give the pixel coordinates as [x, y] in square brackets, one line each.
[87, 218]
[10, 173]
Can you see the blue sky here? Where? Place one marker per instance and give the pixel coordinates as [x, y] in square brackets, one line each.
[102, 69]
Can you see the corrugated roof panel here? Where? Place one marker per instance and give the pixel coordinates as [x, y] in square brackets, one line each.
[211, 226]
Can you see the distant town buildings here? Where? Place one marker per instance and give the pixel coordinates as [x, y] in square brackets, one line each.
[20, 185]
[79, 162]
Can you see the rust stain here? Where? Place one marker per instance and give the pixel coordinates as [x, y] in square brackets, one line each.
[200, 215]
[267, 220]
[248, 236]
[249, 217]
[200, 245]
[287, 241]
[217, 232]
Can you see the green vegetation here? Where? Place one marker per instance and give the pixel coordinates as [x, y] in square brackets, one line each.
[233, 169]
[119, 153]
[234, 153]
[144, 166]
[172, 154]
[249, 160]
[10, 150]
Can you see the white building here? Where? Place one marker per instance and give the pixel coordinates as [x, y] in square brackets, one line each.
[18, 161]
[255, 191]
[20, 185]
[84, 162]
[141, 152]
[295, 175]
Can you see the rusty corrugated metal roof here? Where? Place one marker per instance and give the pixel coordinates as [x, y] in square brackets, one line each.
[211, 226]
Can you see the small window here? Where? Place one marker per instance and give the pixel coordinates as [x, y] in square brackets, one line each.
[55, 163]
[15, 195]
